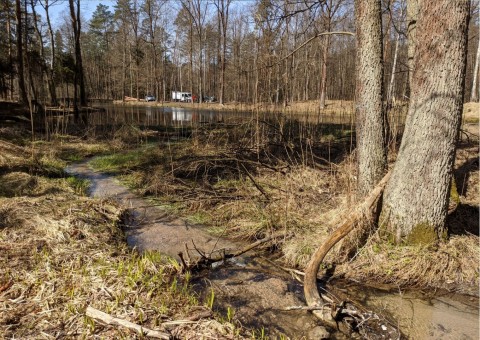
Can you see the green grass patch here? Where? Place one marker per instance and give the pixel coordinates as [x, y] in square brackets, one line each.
[471, 120]
[79, 185]
[200, 217]
[117, 163]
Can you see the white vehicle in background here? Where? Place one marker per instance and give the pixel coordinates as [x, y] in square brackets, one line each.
[181, 96]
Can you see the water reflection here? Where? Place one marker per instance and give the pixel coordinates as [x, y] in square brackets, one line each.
[145, 116]
[176, 116]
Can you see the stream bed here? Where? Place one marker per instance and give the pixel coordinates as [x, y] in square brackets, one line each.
[254, 290]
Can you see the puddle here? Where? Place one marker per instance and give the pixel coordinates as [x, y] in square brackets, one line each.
[442, 316]
[257, 291]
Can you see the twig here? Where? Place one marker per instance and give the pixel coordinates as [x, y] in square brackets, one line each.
[110, 320]
[208, 260]
[309, 308]
[255, 183]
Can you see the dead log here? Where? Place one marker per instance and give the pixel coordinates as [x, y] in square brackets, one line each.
[110, 320]
[322, 307]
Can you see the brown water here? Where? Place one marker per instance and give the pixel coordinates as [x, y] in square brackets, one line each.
[258, 291]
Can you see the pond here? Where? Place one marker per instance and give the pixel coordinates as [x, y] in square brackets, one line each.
[145, 115]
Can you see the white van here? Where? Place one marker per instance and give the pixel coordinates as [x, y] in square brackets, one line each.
[181, 96]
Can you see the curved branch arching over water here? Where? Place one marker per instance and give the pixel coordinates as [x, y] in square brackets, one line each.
[324, 310]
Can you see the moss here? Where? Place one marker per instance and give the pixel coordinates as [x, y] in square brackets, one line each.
[454, 196]
[422, 234]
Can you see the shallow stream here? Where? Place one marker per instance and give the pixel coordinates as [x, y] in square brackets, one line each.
[257, 290]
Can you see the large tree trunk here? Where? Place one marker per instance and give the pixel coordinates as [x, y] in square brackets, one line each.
[371, 153]
[416, 197]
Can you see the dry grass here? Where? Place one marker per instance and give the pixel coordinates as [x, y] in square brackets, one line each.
[62, 252]
[452, 265]
[246, 196]
[334, 107]
[471, 112]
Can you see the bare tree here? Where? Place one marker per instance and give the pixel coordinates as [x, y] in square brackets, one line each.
[223, 7]
[46, 4]
[20, 61]
[474, 96]
[78, 77]
[412, 15]
[330, 8]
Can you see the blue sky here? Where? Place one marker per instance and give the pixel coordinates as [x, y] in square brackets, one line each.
[60, 9]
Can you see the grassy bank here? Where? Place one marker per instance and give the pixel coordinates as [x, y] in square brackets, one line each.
[248, 182]
[62, 252]
[333, 107]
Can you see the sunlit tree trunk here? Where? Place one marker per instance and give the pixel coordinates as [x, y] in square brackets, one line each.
[474, 96]
[51, 68]
[223, 9]
[323, 84]
[78, 77]
[371, 153]
[416, 197]
[391, 86]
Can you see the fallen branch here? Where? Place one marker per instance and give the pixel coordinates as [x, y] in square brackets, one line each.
[345, 225]
[110, 320]
[206, 260]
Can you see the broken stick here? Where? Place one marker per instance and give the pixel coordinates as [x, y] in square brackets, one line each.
[110, 320]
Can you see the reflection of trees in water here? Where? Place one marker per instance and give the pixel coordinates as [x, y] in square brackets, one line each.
[109, 118]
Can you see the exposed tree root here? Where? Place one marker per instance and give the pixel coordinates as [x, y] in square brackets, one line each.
[205, 260]
[344, 315]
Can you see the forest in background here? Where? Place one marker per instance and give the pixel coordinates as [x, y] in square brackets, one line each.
[272, 51]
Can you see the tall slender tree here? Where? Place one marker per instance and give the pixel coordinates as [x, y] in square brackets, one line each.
[223, 7]
[46, 4]
[79, 80]
[370, 117]
[20, 57]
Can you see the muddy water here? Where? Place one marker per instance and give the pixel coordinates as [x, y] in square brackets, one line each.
[150, 228]
[257, 291]
[444, 315]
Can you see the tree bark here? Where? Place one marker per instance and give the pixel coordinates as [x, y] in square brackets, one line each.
[370, 118]
[416, 198]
